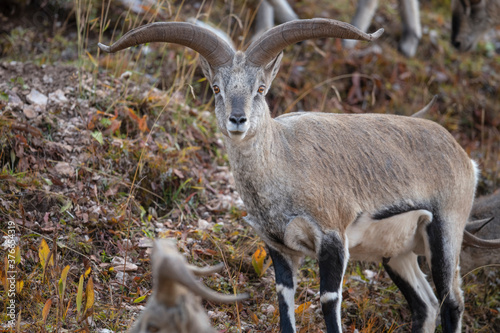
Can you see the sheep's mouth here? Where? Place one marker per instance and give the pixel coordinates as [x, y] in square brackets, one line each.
[236, 134]
[237, 129]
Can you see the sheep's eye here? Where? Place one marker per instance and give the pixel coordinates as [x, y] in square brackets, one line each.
[216, 89]
[261, 89]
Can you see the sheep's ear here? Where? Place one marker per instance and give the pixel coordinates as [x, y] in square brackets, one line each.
[208, 71]
[272, 68]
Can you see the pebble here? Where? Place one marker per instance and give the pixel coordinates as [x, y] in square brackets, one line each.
[36, 97]
[64, 169]
[269, 309]
[122, 277]
[47, 79]
[145, 242]
[58, 96]
[118, 265]
[32, 111]
[14, 101]
[204, 224]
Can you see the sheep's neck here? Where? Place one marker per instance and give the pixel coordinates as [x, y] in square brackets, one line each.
[253, 163]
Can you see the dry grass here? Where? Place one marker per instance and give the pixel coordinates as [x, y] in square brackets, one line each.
[144, 162]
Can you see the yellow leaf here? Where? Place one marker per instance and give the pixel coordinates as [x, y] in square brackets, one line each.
[66, 312]
[64, 273]
[18, 255]
[140, 299]
[302, 307]
[62, 281]
[3, 279]
[19, 286]
[79, 295]
[90, 294]
[87, 272]
[258, 260]
[46, 309]
[43, 253]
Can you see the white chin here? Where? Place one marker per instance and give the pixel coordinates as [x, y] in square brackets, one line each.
[236, 135]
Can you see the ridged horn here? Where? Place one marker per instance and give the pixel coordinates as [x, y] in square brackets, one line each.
[475, 226]
[473, 241]
[274, 40]
[213, 48]
[168, 264]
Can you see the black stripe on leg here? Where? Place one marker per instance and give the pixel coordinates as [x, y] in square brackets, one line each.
[331, 269]
[442, 275]
[418, 307]
[331, 261]
[282, 269]
[284, 279]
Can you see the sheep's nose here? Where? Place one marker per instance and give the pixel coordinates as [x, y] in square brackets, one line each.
[456, 44]
[238, 120]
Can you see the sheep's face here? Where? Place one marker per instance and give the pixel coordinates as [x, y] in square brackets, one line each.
[469, 23]
[240, 90]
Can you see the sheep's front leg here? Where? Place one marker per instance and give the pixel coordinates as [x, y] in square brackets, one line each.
[285, 267]
[362, 19]
[412, 30]
[264, 19]
[333, 256]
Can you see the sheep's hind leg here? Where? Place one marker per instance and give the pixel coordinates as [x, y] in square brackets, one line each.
[407, 276]
[285, 267]
[333, 257]
[444, 251]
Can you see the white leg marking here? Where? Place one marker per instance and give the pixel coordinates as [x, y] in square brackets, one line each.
[327, 297]
[407, 267]
[346, 260]
[288, 295]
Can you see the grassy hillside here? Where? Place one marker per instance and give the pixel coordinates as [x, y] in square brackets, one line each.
[99, 154]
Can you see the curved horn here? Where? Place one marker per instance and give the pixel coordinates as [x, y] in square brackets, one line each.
[204, 271]
[475, 226]
[422, 113]
[473, 241]
[177, 270]
[213, 48]
[169, 264]
[273, 41]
